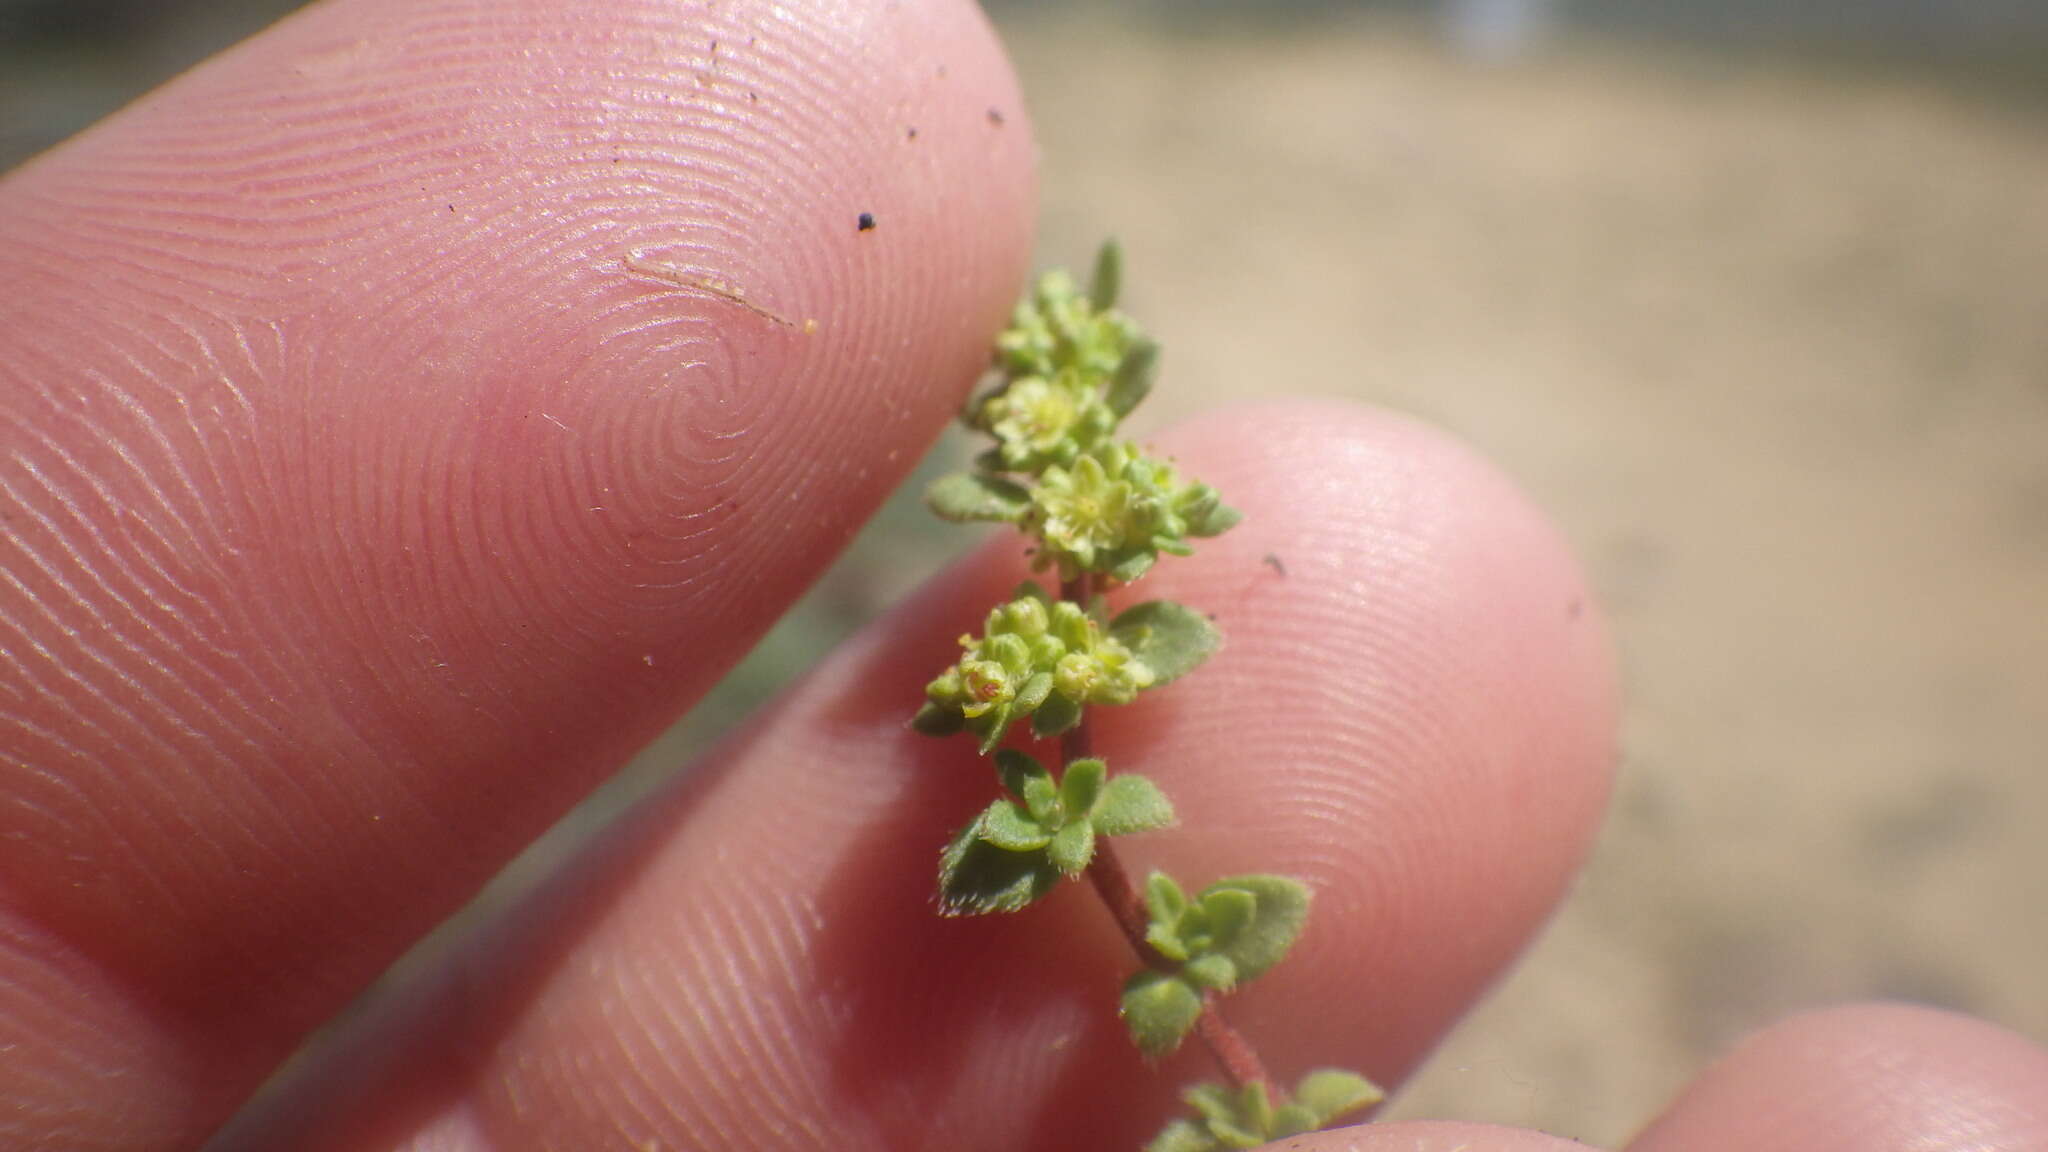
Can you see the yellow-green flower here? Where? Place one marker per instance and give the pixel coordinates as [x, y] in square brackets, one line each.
[1115, 510]
[1039, 421]
[1035, 658]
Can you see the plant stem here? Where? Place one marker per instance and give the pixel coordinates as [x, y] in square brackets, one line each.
[1126, 902]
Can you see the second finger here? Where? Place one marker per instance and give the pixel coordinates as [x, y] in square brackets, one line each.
[1414, 718]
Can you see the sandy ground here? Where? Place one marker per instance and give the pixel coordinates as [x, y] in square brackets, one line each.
[1771, 343]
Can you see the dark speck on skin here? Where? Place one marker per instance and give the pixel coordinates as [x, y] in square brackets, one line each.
[911, 133]
[995, 117]
[866, 223]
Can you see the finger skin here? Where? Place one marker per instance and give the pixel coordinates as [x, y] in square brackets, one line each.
[1415, 719]
[359, 507]
[1866, 1078]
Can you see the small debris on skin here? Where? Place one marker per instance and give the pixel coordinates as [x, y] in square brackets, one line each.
[911, 133]
[1274, 561]
[866, 223]
[995, 117]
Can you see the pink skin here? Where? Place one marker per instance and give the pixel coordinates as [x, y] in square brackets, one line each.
[360, 509]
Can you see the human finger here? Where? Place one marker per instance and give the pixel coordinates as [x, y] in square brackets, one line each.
[405, 415]
[1867, 1078]
[1411, 711]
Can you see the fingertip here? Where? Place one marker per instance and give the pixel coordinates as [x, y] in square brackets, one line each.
[1434, 743]
[1867, 1076]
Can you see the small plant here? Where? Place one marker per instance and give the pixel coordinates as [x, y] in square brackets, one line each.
[1100, 513]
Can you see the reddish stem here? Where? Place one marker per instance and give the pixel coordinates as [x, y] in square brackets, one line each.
[1126, 902]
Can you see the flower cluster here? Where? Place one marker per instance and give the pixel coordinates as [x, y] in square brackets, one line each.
[1037, 658]
[1116, 510]
[1041, 421]
[1072, 368]
[1058, 359]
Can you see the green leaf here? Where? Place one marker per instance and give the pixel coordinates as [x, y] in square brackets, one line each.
[1163, 898]
[1292, 1120]
[1108, 279]
[1159, 1008]
[1081, 786]
[1127, 570]
[1212, 970]
[1164, 905]
[1183, 1136]
[1281, 910]
[1255, 1105]
[1033, 693]
[1055, 715]
[991, 460]
[1014, 768]
[968, 496]
[1213, 1102]
[1331, 1093]
[1134, 377]
[1229, 911]
[991, 725]
[1170, 638]
[976, 877]
[1130, 803]
[1008, 826]
[1041, 796]
[933, 720]
[1072, 847]
[1206, 513]
[1236, 1135]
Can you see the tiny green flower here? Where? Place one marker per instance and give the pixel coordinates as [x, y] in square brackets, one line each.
[1115, 510]
[1061, 359]
[1033, 657]
[1058, 326]
[1083, 512]
[1039, 422]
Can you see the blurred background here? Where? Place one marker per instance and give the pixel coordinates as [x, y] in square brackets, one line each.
[1752, 296]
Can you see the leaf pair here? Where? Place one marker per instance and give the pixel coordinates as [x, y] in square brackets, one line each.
[1248, 1117]
[1019, 847]
[1236, 929]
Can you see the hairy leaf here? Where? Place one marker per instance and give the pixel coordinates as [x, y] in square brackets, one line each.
[1041, 796]
[1108, 279]
[1009, 827]
[1080, 787]
[1134, 377]
[1331, 1093]
[1131, 803]
[1207, 514]
[1280, 912]
[1073, 847]
[1159, 1008]
[1170, 638]
[1127, 570]
[1212, 970]
[976, 877]
[1014, 769]
[1183, 1136]
[968, 496]
[1055, 716]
